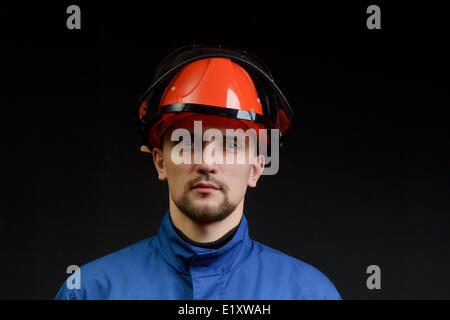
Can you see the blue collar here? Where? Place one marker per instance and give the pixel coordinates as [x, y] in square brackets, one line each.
[196, 261]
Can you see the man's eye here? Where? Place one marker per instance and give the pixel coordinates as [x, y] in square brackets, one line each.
[187, 143]
[233, 145]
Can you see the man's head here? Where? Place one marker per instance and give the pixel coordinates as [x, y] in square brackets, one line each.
[229, 89]
[211, 190]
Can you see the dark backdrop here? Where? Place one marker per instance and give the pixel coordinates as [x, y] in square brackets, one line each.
[364, 178]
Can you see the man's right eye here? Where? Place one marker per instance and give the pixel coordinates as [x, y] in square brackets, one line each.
[186, 143]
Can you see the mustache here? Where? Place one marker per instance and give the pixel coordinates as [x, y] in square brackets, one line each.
[207, 178]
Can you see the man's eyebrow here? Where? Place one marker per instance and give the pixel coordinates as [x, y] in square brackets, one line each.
[225, 136]
[237, 135]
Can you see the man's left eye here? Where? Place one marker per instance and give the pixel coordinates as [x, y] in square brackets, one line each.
[233, 145]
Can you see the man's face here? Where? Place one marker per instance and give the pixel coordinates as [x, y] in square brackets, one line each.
[211, 190]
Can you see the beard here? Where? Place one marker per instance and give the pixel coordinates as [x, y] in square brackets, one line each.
[204, 213]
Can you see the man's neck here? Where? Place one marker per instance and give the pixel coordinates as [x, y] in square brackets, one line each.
[204, 232]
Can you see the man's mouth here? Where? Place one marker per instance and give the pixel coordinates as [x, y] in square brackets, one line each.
[205, 187]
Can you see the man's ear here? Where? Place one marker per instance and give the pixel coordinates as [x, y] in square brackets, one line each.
[256, 170]
[158, 160]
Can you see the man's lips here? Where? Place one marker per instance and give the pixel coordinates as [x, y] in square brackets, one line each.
[205, 187]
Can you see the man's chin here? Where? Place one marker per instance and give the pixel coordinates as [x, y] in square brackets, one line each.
[206, 212]
[205, 209]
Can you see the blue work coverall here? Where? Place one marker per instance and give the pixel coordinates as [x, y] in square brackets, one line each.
[167, 267]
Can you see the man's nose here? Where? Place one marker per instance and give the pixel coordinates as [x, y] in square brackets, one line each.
[209, 160]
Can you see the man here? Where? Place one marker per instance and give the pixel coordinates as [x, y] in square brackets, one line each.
[198, 112]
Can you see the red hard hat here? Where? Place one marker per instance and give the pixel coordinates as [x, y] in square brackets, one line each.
[205, 81]
[216, 82]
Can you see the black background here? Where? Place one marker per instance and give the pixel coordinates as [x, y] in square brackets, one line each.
[364, 178]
